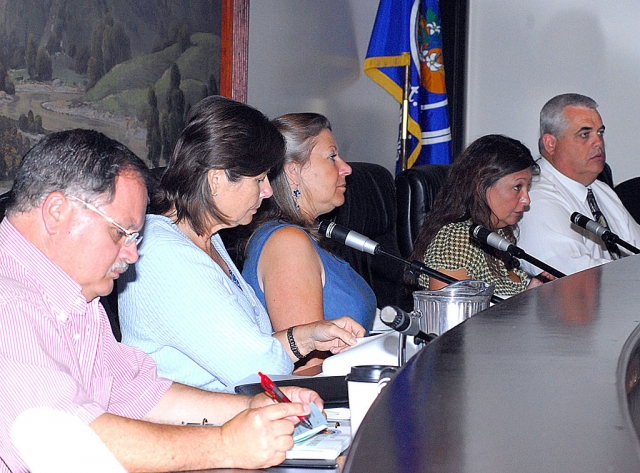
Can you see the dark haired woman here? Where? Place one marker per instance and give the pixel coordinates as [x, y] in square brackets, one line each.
[297, 279]
[185, 302]
[488, 185]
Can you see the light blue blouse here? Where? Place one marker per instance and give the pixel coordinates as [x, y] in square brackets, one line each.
[202, 328]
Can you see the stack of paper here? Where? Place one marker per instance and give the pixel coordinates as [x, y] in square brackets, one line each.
[327, 445]
[375, 350]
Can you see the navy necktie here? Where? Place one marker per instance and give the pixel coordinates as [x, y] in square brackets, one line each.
[599, 217]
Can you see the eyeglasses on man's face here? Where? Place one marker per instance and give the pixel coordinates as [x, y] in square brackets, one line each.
[128, 235]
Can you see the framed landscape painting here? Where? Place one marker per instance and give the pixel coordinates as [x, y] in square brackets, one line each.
[129, 69]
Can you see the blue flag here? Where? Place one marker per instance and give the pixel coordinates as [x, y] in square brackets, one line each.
[408, 32]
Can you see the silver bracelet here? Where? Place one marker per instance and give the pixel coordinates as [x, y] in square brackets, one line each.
[292, 344]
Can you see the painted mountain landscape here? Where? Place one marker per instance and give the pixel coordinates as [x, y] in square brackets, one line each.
[128, 68]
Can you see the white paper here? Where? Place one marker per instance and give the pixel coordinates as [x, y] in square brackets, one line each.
[375, 350]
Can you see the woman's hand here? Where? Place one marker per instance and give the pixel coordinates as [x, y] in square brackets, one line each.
[336, 335]
[540, 279]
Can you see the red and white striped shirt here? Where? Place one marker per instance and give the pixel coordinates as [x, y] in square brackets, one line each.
[57, 350]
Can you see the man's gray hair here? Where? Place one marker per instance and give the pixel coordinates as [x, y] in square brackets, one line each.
[552, 118]
[83, 163]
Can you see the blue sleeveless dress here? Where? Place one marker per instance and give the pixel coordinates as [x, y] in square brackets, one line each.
[344, 291]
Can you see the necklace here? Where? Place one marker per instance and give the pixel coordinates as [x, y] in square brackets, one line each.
[219, 260]
[207, 246]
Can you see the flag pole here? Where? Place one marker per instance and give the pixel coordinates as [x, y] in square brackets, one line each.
[406, 88]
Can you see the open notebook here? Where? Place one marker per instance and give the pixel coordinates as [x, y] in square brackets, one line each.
[322, 448]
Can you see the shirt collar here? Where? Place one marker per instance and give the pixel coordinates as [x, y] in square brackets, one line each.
[61, 291]
[576, 188]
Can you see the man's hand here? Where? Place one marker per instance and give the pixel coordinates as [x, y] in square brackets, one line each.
[294, 393]
[259, 438]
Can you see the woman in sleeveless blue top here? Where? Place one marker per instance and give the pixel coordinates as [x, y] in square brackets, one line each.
[297, 279]
[344, 291]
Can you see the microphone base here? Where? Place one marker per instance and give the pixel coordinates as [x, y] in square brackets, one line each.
[424, 338]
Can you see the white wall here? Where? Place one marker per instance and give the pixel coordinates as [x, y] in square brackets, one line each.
[307, 56]
[521, 53]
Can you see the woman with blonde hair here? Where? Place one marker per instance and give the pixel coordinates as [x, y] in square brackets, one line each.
[288, 264]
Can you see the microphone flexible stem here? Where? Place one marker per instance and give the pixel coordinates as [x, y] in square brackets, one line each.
[612, 237]
[543, 266]
[432, 273]
[424, 338]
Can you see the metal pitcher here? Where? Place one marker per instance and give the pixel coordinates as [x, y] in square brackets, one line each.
[440, 310]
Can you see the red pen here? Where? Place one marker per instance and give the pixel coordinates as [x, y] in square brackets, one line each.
[274, 393]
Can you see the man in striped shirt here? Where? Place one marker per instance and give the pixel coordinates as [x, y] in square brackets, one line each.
[72, 227]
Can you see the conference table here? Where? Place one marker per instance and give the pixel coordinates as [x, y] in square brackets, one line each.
[546, 381]
[543, 382]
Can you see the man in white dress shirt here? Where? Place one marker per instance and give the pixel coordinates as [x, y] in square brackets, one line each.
[573, 154]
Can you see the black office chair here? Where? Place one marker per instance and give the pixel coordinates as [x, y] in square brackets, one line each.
[370, 209]
[606, 176]
[416, 191]
[4, 200]
[629, 193]
[110, 302]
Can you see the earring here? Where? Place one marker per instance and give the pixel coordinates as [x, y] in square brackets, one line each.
[296, 195]
[213, 195]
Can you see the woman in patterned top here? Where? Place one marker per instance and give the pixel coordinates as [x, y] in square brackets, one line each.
[488, 185]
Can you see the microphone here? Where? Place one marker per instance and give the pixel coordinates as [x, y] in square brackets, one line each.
[360, 242]
[588, 224]
[607, 235]
[348, 237]
[493, 239]
[496, 241]
[402, 322]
